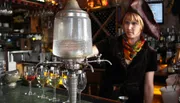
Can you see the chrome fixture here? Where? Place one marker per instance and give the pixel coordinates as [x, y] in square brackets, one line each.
[72, 43]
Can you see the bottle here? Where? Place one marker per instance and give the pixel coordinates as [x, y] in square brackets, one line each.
[170, 65]
[163, 50]
[158, 49]
[178, 37]
[177, 55]
[169, 54]
[42, 53]
[174, 61]
[4, 65]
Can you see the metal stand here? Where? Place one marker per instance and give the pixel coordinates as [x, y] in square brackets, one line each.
[72, 66]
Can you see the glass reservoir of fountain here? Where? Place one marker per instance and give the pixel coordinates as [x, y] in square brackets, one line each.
[72, 32]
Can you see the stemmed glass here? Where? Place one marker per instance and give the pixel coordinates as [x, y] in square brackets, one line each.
[54, 79]
[2, 71]
[65, 83]
[29, 74]
[123, 99]
[82, 81]
[42, 76]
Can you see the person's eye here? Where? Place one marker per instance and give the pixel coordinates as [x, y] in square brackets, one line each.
[134, 23]
[127, 22]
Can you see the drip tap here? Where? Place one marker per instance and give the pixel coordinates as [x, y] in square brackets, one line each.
[99, 60]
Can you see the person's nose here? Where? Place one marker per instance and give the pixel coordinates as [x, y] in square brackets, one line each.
[130, 26]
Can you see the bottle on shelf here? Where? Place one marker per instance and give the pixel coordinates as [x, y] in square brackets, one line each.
[174, 61]
[161, 50]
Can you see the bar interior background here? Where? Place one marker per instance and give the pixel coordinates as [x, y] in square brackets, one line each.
[26, 26]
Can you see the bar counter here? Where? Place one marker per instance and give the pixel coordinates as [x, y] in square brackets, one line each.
[17, 95]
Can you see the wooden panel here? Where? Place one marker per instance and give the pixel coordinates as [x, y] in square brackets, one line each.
[25, 44]
[103, 23]
[94, 81]
[35, 24]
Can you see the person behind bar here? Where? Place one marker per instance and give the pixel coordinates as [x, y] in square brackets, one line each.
[133, 60]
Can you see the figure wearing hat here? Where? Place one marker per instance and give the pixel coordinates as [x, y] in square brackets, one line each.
[133, 60]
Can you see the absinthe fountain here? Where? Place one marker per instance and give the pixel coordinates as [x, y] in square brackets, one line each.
[72, 43]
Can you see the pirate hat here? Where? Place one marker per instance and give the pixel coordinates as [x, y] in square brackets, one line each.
[141, 7]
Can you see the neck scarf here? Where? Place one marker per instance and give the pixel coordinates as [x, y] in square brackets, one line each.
[130, 51]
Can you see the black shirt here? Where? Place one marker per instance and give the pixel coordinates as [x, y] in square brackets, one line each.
[119, 72]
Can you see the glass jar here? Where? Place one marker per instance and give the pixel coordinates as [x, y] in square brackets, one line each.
[72, 32]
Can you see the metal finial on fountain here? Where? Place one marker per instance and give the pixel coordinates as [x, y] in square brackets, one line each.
[72, 5]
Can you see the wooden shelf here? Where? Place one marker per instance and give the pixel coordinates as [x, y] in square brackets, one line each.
[5, 29]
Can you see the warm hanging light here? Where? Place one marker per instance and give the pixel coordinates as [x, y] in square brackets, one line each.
[97, 4]
[90, 3]
[52, 2]
[104, 2]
